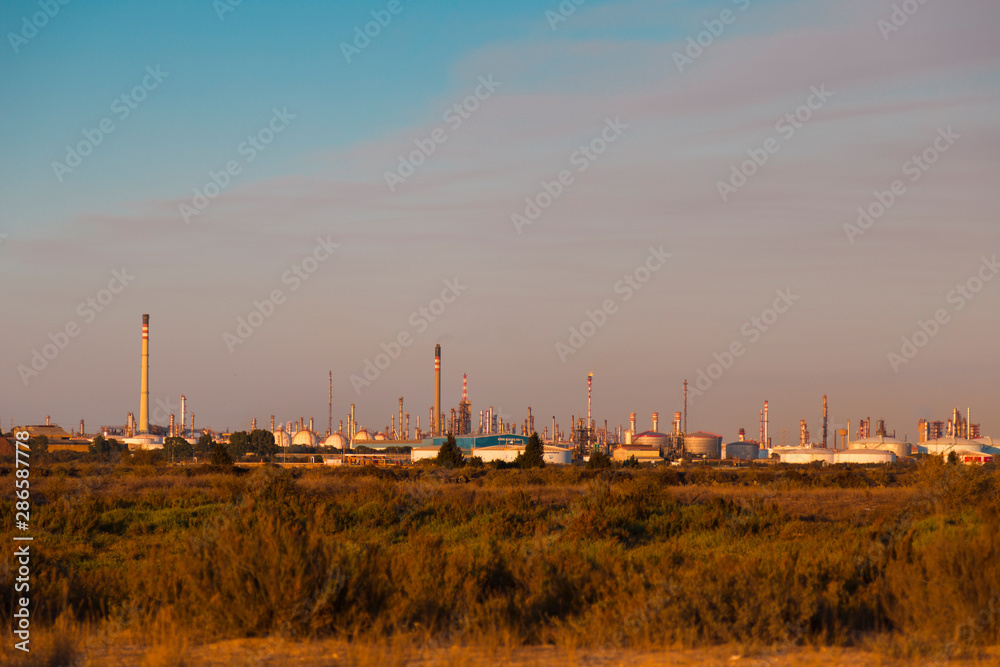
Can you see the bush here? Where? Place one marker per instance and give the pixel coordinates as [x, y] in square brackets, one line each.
[450, 455]
[598, 460]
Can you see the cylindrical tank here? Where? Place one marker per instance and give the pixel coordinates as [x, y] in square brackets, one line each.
[708, 445]
[652, 439]
[805, 455]
[897, 447]
[865, 456]
[746, 451]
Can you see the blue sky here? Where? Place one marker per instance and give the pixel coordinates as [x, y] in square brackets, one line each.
[656, 184]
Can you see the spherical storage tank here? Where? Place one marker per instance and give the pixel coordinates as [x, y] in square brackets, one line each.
[281, 438]
[746, 451]
[362, 436]
[708, 445]
[380, 437]
[305, 438]
[335, 440]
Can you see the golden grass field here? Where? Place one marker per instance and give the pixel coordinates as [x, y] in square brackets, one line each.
[158, 565]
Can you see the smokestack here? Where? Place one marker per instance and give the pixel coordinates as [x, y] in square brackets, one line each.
[631, 422]
[329, 418]
[406, 434]
[272, 423]
[253, 423]
[144, 387]
[311, 429]
[192, 424]
[171, 428]
[743, 435]
[590, 381]
[685, 406]
[81, 428]
[183, 414]
[656, 422]
[677, 423]
[48, 420]
[826, 415]
[436, 425]
[767, 439]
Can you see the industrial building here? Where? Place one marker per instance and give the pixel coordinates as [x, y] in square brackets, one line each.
[495, 447]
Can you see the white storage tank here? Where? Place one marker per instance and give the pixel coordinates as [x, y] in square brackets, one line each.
[947, 445]
[804, 455]
[866, 456]
[898, 447]
[304, 438]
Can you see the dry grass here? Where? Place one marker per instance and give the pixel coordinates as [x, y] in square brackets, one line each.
[412, 566]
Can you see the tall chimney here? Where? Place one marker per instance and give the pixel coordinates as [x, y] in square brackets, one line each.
[329, 418]
[48, 420]
[311, 429]
[253, 423]
[656, 422]
[170, 430]
[590, 381]
[183, 414]
[826, 416]
[144, 387]
[272, 423]
[436, 426]
[685, 426]
[767, 439]
[192, 424]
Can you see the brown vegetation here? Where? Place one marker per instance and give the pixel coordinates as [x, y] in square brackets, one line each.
[903, 560]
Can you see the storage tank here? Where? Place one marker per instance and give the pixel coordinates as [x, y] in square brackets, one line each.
[361, 436]
[898, 447]
[865, 456]
[304, 438]
[804, 455]
[745, 451]
[281, 438]
[704, 444]
[651, 439]
[335, 440]
[947, 445]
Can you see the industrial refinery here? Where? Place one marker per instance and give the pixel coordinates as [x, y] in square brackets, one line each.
[491, 438]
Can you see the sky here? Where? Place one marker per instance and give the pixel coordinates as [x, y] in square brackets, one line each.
[774, 200]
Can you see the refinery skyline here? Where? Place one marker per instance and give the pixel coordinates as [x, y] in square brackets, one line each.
[773, 199]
